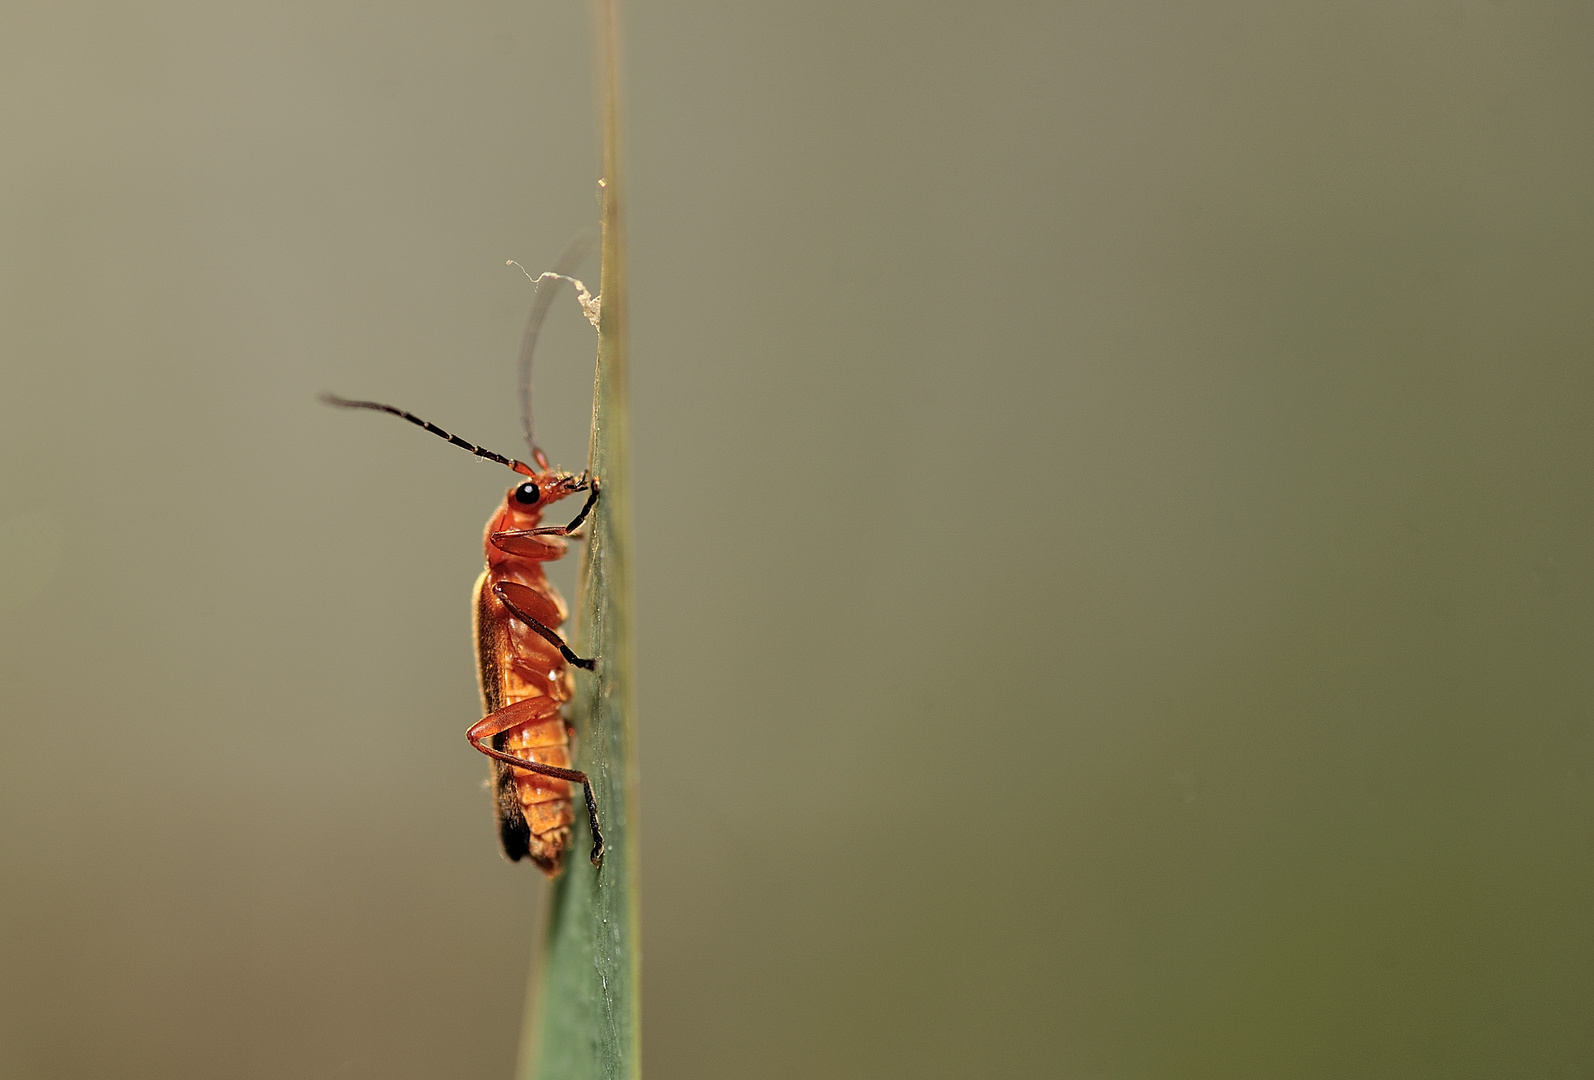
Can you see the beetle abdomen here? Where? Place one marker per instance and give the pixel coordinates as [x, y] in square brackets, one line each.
[534, 811]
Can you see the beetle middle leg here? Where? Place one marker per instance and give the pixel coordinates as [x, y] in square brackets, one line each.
[517, 598]
[525, 712]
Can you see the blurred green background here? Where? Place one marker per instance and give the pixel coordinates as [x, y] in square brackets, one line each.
[1114, 502]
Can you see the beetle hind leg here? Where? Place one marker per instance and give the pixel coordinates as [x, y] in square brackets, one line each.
[528, 711]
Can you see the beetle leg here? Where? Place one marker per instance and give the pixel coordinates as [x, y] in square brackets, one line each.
[523, 712]
[551, 636]
[575, 522]
[514, 542]
[562, 531]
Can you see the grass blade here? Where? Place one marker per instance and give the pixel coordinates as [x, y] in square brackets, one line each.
[583, 1021]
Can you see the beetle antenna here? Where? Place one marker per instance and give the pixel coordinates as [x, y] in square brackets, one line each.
[344, 403]
[541, 300]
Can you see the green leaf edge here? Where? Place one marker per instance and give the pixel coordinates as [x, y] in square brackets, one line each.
[583, 1008]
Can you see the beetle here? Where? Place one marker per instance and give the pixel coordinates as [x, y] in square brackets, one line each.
[523, 664]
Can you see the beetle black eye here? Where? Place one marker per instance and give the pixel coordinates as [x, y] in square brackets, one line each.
[527, 493]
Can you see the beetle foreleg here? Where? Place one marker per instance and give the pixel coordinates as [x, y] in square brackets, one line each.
[586, 508]
[561, 530]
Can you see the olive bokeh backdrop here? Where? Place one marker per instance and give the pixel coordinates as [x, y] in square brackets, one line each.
[1115, 592]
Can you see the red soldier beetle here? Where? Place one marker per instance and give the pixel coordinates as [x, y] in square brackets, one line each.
[523, 663]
